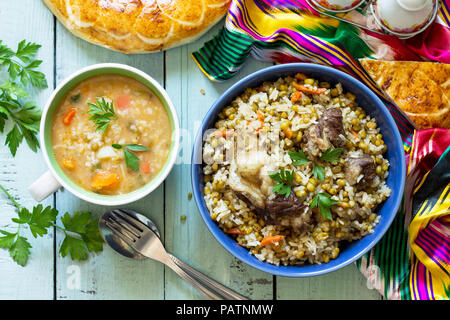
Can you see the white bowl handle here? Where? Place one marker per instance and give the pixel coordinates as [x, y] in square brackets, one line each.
[44, 186]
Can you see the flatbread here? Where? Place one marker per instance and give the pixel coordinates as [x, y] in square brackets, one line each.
[138, 26]
[420, 89]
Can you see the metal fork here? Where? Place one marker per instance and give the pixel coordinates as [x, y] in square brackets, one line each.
[146, 242]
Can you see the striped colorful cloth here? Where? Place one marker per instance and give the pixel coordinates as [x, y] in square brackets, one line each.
[411, 261]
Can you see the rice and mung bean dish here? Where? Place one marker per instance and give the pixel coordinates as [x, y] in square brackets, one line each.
[293, 169]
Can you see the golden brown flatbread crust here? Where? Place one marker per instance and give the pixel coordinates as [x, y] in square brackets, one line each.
[420, 89]
[138, 26]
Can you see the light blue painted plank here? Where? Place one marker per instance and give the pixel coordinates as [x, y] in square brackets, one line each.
[190, 240]
[108, 275]
[345, 284]
[35, 281]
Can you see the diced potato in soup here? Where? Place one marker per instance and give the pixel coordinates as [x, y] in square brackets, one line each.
[109, 162]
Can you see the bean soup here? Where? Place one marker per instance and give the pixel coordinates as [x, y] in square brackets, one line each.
[111, 134]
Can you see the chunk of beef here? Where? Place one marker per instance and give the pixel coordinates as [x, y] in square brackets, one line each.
[331, 122]
[326, 133]
[288, 212]
[355, 167]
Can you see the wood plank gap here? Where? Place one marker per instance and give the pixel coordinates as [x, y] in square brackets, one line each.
[164, 185]
[55, 251]
[274, 287]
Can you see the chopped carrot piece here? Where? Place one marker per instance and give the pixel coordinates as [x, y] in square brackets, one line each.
[123, 101]
[271, 240]
[105, 181]
[224, 133]
[235, 230]
[296, 96]
[144, 166]
[260, 127]
[288, 132]
[304, 89]
[354, 134]
[69, 116]
[301, 76]
[260, 116]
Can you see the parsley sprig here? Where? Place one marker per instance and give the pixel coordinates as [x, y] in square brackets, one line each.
[15, 104]
[324, 202]
[330, 155]
[299, 157]
[284, 179]
[21, 63]
[102, 114]
[80, 230]
[131, 159]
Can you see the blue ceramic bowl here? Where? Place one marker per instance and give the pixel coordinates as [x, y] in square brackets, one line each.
[371, 104]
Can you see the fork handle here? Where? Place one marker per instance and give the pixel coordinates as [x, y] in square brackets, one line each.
[210, 288]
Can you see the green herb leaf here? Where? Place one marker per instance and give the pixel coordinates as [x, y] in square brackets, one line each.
[24, 115]
[102, 114]
[13, 139]
[324, 202]
[299, 157]
[13, 90]
[26, 51]
[136, 147]
[319, 172]
[331, 155]
[131, 160]
[41, 220]
[7, 240]
[77, 222]
[285, 178]
[76, 247]
[21, 64]
[90, 239]
[24, 216]
[20, 251]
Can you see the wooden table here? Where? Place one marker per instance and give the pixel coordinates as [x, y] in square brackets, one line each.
[109, 275]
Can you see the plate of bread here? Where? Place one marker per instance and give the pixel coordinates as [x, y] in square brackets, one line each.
[420, 89]
[138, 26]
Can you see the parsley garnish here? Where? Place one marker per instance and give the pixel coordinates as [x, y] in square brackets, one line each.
[21, 63]
[80, 230]
[330, 155]
[324, 202]
[284, 179]
[102, 114]
[299, 157]
[319, 172]
[14, 98]
[131, 159]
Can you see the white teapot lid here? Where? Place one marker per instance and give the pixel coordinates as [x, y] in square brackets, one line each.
[412, 5]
